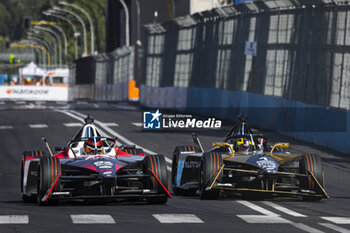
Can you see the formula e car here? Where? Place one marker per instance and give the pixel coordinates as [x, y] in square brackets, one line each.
[92, 167]
[244, 164]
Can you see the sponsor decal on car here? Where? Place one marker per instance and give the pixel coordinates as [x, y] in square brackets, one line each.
[103, 164]
[266, 164]
[192, 164]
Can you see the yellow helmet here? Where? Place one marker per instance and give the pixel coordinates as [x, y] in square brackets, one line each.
[243, 141]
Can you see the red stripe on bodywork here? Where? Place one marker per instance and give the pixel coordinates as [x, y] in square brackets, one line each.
[308, 166]
[166, 190]
[53, 186]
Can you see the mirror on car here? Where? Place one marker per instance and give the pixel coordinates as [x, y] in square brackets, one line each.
[59, 148]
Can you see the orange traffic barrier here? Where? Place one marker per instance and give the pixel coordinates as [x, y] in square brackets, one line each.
[134, 92]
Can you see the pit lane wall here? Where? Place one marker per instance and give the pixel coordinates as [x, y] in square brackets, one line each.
[323, 126]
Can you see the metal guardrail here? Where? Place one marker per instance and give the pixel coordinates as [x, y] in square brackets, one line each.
[106, 68]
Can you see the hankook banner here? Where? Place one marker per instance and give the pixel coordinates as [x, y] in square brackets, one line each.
[34, 93]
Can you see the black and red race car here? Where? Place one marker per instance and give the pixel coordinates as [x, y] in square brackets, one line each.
[93, 167]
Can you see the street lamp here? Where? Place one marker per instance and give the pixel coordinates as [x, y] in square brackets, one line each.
[40, 40]
[75, 35]
[52, 41]
[58, 9]
[58, 28]
[43, 47]
[52, 32]
[127, 42]
[92, 30]
[40, 53]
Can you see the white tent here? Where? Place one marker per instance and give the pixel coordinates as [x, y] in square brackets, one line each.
[32, 70]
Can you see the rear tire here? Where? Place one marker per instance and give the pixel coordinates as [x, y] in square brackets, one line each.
[210, 166]
[176, 154]
[134, 151]
[156, 163]
[311, 163]
[49, 169]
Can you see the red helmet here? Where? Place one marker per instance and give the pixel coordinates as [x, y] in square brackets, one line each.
[90, 147]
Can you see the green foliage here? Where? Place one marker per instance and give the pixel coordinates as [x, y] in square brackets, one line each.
[12, 13]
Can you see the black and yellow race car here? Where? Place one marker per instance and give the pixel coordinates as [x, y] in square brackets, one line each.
[246, 164]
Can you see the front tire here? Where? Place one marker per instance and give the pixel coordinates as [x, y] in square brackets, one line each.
[49, 169]
[311, 163]
[156, 163]
[210, 166]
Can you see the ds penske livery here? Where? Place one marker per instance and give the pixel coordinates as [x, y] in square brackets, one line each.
[245, 164]
[92, 167]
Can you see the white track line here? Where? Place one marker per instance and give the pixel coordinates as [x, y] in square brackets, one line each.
[338, 220]
[137, 124]
[20, 102]
[92, 219]
[73, 124]
[334, 227]
[110, 132]
[267, 217]
[38, 126]
[306, 228]
[6, 127]
[271, 217]
[2, 102]
[82, 120]
[257, 208]
[110, 124]
[263, 219]
[14, 219]
[283, 209]
[177, 218]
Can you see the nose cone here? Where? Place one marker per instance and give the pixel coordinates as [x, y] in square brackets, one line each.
[266, 163]
[106, 167]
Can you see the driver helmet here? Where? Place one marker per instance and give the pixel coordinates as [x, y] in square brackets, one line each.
[90, 147]
[243, 145]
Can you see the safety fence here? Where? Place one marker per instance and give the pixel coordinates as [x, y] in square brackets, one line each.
[103, 77]
[205, 64]
[302, 51]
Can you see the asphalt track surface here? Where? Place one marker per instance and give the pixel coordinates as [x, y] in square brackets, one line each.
[22, 125]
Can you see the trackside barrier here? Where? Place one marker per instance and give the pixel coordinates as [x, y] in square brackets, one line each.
[166, 97]
[324, 126]
[105, 92]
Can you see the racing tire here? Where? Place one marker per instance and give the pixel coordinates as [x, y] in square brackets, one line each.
[156, 163]
[25, 154]
[311, 163]
[49, 169]
[210, 166]
[134, 151]
[176, 154]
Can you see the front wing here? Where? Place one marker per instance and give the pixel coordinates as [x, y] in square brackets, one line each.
[269, 187]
